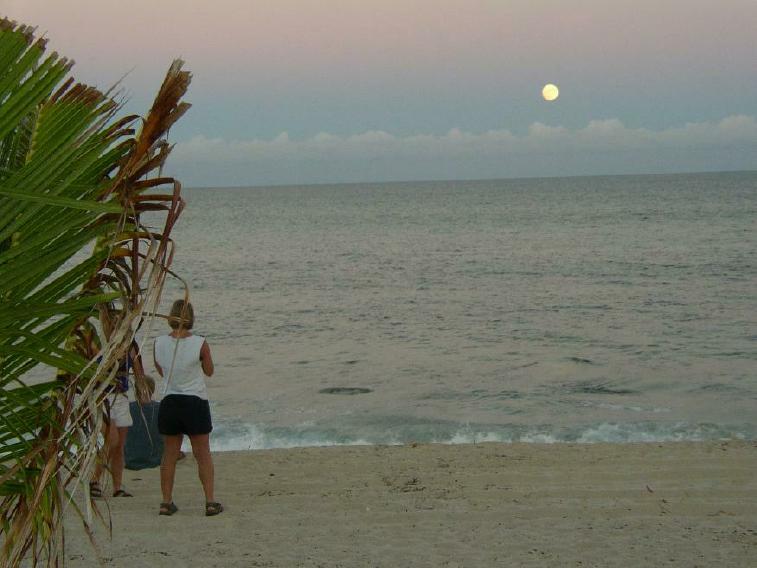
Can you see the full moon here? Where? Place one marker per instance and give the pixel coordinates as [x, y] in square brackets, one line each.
[550, 92]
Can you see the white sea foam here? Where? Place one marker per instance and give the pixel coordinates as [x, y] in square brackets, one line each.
[253, 437]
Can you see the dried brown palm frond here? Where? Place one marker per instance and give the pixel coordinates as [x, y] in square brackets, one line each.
[71, 174]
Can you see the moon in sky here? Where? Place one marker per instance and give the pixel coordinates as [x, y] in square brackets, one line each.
[550, 92]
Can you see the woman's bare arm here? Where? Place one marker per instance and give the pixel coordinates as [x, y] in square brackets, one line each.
[206, 359]
[140, 383]
[157, 367]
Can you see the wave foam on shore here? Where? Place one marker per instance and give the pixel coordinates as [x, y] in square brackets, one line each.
[229, 437]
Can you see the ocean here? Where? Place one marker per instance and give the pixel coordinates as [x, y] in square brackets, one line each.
[582, 309]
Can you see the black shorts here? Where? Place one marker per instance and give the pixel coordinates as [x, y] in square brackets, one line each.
[184, 414]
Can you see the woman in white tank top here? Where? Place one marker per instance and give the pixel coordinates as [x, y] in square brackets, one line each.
[184, 361]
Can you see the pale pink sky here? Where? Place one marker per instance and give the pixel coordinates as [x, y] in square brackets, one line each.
[416, 67]
[381, 37]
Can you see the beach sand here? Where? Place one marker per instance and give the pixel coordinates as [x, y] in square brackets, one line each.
[671, 504]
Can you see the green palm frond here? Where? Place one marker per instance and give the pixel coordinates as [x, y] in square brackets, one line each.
[77, 272]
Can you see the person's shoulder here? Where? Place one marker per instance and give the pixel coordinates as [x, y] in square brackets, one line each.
[201, 342]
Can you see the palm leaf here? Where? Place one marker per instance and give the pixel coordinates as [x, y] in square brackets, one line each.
[78, 271]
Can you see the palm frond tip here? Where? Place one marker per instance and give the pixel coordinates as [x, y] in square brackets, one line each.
[71, 180]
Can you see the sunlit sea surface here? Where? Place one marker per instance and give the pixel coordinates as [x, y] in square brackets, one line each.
[542, 310]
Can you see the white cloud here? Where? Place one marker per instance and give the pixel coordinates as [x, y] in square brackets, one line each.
[601, 147]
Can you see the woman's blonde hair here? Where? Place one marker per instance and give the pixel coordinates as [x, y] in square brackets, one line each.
[182, 315]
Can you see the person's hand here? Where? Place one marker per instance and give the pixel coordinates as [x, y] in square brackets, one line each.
[142, 396]
[142, 390]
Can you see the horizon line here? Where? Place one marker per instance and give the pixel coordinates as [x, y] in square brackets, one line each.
[447, 180]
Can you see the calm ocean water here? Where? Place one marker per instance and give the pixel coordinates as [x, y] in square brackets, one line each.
[574, 309]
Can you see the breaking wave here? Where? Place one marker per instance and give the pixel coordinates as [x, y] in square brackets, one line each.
[257, 437]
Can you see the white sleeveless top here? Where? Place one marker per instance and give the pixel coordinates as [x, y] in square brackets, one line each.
[182, 368]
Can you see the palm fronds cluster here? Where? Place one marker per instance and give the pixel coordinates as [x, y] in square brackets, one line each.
[78, 272]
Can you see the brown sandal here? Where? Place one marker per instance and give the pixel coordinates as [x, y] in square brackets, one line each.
[167, 509]
[212, 508]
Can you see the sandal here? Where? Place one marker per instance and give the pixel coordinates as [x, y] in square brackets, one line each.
[167, 509]
[95, 492]
[122, 493]
[212, 508]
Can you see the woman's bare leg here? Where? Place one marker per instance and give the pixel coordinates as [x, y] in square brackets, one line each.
[171, 449]
[201, 451]
[110, 436]
[117, 442]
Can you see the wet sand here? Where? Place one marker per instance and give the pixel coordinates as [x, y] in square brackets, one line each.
[672, 504]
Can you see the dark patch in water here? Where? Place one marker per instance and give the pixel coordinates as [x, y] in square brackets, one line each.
[350, 362]
[501, 395]
[596, 388]
[718, 387]
[526, 366]
[582, 360]
[345, 390]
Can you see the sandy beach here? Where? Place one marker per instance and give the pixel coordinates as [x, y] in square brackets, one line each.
[672, 504]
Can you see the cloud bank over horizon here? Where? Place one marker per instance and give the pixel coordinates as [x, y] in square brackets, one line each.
[604, 146]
